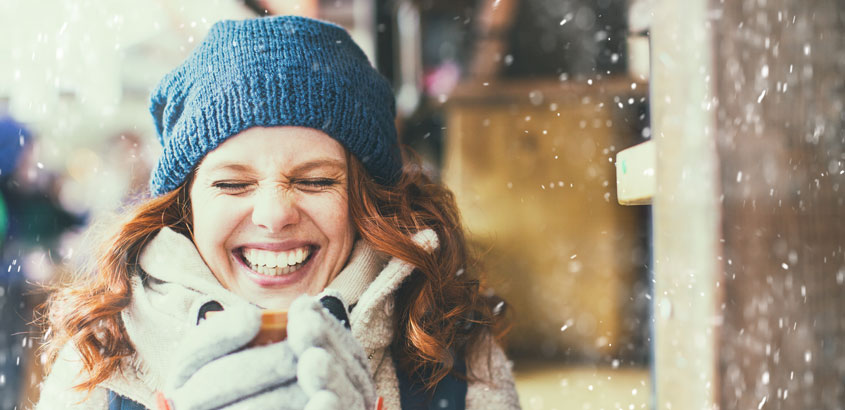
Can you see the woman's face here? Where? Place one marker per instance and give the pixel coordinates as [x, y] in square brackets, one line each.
[270, 213]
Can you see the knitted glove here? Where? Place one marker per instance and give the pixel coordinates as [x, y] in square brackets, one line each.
[215, 371]
[332, 369]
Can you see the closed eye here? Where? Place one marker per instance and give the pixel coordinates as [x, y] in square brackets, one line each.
[316, 183]
[231, 187]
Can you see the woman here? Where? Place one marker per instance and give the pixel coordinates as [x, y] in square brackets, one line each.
[280, 186]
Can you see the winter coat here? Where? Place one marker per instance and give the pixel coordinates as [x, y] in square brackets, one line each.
[179, 283]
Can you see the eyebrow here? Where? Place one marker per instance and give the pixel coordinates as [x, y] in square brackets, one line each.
[320, 163]
[302, 167]
[228, 166]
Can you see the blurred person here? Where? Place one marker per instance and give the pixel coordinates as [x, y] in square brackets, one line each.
[12, 138]
[32, 223]
[280, 186]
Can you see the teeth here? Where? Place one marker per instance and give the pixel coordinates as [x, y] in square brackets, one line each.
[275, 263]
[275, 271]
[270, 260]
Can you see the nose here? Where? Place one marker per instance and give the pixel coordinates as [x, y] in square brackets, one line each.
[274, 209]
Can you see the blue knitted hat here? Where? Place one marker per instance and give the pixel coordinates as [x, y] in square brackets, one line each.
[267, 72]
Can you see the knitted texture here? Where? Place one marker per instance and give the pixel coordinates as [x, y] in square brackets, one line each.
[273, 71]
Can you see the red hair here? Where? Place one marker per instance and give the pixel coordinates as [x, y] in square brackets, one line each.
[440, 311]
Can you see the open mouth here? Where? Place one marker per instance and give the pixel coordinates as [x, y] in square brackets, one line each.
[271, 263]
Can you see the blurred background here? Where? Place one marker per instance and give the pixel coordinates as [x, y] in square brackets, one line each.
[654, 187]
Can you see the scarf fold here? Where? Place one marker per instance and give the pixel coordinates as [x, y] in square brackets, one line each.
[372, 318]
[363, 267]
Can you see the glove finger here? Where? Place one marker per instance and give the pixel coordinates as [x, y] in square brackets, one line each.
[214, 337]
[309, 325]
[305, 323]
[324, 400]
[318, 371]
[237, 377]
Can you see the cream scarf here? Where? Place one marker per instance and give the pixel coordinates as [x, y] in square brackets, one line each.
[166, 303]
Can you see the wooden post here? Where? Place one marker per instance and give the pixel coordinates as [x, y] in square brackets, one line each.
[748, 101]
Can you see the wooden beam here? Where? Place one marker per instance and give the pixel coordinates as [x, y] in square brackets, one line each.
[686, 208]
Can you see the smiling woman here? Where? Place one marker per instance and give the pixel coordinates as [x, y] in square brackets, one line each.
[280, 186]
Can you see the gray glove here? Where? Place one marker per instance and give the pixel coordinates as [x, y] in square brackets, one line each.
[215, 371]
[332, 369]
[319, 367]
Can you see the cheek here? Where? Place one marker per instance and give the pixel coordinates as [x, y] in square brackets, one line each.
[331, 215]
[202, 228]
[213, 222]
